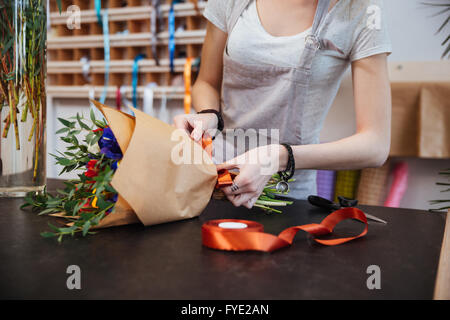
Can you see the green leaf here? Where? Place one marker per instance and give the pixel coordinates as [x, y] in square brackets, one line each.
[48, 234]
[66, 123]
[82, 124]
[92, 115]
[62, 130]
[86, 227]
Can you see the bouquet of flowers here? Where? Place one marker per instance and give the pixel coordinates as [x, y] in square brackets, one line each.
[126, 174]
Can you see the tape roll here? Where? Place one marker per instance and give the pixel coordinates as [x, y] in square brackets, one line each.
[234, 225]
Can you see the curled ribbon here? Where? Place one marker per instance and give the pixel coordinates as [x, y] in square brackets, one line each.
[250, 235]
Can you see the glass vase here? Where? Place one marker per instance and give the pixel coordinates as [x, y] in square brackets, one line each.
[23, 34]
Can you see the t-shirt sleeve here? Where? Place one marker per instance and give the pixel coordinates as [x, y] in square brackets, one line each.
[216, 12]
[371, 34]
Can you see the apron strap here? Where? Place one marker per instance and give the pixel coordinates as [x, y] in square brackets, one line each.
[238, 7]
[312, 41]
[321, 12]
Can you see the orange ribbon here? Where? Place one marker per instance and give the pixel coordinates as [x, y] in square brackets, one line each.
[253, 237]
[187, 85]
[224, 177]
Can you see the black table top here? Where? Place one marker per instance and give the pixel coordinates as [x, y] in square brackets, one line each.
[168, 261]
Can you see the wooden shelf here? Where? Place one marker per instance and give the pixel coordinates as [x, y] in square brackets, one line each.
[125, 40]
[117, 66]
[131, 13]
[82, 92]
[129, 35]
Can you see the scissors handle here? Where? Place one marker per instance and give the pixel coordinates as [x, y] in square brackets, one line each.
[323, 203]
[347, 202]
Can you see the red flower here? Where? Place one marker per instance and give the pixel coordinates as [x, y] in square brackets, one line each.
[97, 130]
[92, 171]
[87, 207]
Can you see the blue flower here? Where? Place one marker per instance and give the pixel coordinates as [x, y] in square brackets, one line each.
[109, 146]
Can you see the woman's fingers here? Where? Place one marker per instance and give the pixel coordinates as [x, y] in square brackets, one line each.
[250, 203]
[241, 184]
[242, 199]
[180, 122]
[197, 132]
[227, 166]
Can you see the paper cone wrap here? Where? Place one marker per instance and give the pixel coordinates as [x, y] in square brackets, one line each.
[152, 187]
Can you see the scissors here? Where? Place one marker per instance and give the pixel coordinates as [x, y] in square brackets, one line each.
[343, 203]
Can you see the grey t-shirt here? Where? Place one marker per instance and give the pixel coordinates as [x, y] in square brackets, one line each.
[357, 27]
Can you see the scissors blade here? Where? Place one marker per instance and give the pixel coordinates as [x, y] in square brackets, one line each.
[373, 218]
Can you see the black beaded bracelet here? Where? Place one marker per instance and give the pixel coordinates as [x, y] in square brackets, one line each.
[288, 173]
[220, 123]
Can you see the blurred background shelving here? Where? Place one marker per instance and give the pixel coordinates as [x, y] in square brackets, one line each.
[129, 35]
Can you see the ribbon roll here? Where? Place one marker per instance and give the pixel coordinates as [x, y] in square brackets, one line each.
[172, 35]
[98, 8]
[154, 29]
[148, 98]
[197, 9]
[187, 85]
[163, 114]
[243, 235]
[118, 98]
[97, 113]
[107, 55]
[135, 77]
[399, 185]
[85, 68]
[125, 101]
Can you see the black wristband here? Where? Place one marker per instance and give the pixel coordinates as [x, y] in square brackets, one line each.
[220, 123]
[288, 173]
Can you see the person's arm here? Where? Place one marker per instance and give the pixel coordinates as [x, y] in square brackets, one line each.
[206, 90]
[368, 147]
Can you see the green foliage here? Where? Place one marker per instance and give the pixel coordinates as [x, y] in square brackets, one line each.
[444, 9]
[84, 201]
[444, 203]
[268, 198]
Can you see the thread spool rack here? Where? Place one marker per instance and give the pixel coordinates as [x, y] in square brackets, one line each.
[129, 35]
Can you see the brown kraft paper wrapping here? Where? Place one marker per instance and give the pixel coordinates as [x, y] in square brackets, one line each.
[421, 119]
[152, 188]
[434, 117]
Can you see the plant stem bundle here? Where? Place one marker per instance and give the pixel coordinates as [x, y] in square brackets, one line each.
[23, 32]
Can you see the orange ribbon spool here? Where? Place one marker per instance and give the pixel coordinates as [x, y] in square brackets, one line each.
[249, 235]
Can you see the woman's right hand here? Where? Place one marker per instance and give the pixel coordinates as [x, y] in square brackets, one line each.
[196, 125]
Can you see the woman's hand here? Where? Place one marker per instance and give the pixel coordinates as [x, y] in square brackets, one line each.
[196, 125]
[256, 167]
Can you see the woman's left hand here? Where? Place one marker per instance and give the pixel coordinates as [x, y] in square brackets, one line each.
[256, 167]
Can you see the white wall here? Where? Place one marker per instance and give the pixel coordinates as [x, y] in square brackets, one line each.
[413, 38]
